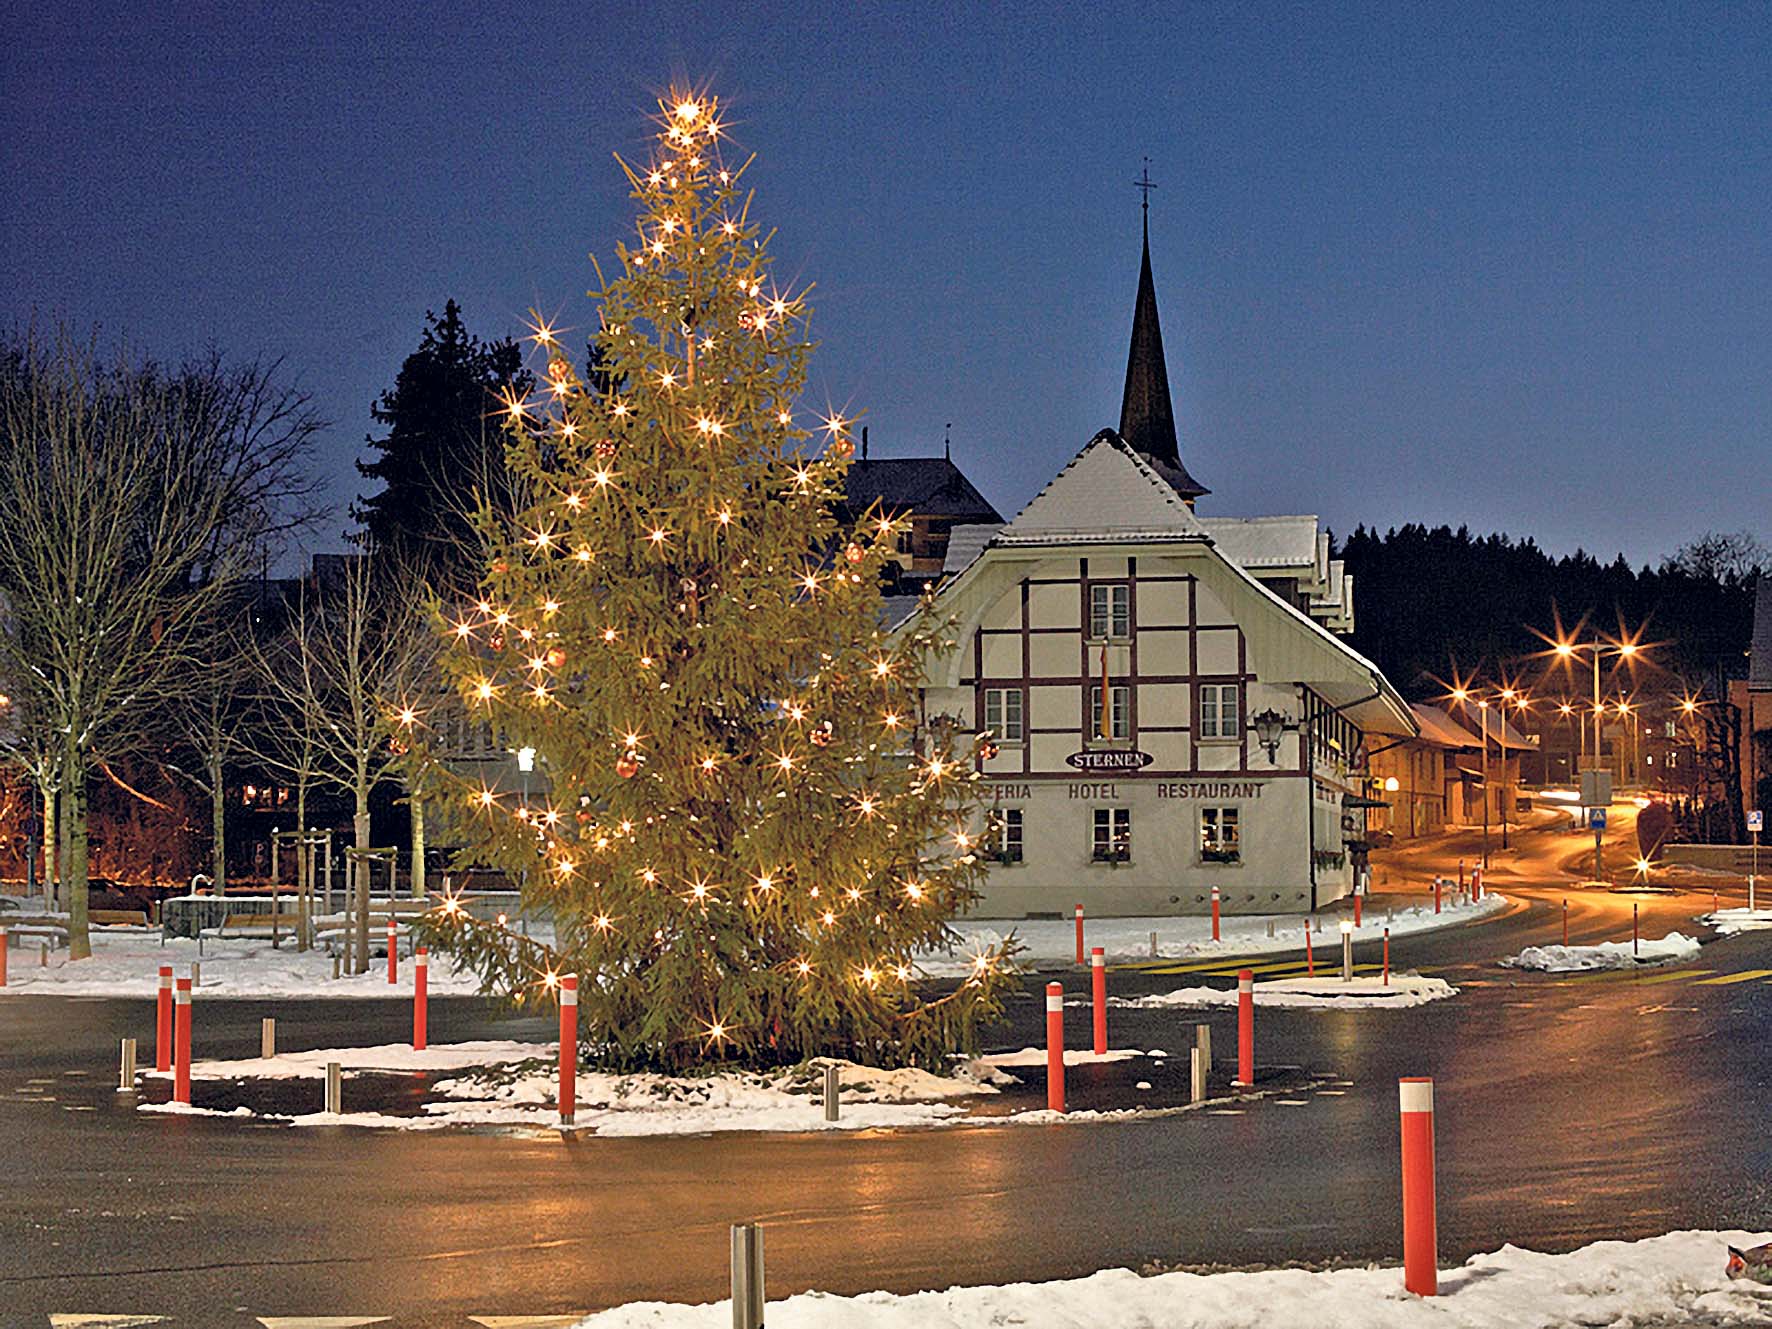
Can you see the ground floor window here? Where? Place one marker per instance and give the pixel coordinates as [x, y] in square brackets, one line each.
[1006, 835]
[1111, 841]
[1221, 838]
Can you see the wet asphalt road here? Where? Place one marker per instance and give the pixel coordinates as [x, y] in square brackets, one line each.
[1568, 1111]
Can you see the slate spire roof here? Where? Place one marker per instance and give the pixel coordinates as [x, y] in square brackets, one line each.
[1147, 418]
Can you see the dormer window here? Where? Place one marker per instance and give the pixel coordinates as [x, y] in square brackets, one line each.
[1110, 610]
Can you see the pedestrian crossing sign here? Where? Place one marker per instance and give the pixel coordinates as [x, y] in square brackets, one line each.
[1596, 819]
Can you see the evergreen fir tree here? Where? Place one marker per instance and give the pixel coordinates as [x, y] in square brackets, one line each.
[443, 448]
[749, 828]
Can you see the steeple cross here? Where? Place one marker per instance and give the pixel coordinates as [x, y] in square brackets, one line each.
[1143, 185]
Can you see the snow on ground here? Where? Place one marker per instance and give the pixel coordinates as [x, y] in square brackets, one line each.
[386, 1057]
[1667, 1280]
[1054, 941]
[128, 965]
[1728, 922]
[1072, 1056]
[1607, 955]
[1323, 994]
[515, 1085]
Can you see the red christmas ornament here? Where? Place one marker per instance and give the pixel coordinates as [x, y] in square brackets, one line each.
[987, 750]
[496, 641]
[821, 735]
[841, 448]
[627, 765]
[556, 657]
[855, 553]
[501, 565]
[605, 448]
[558, 369]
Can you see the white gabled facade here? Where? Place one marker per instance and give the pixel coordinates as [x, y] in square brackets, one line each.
[1202, 625]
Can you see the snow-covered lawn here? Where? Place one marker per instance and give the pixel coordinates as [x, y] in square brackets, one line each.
[128, 965]
[1728, 922]
[1607, 955]
[1324, 994]
[1054, 941]
[515, 1085]
[1675, 1279]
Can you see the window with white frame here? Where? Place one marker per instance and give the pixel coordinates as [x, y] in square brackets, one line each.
[1006, 835]
[1111, 838]
[1110, 610]
[1119, 712]
[1221, 838]
[1221, 711]
[1002, 714]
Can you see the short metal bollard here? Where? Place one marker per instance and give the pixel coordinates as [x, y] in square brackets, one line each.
[196, 973]
[126, 1068]
[335, 1088]
[335, 962]
[832, 1086]
[1197, 1092]
[747, 1276]
[1154, 946]
[267, 1037]
[1203, 1041]
[1270, 929]
[43, 955]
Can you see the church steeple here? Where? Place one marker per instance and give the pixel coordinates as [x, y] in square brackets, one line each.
[1147, 419]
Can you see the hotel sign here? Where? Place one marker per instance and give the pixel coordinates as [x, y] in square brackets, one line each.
[1110, 759]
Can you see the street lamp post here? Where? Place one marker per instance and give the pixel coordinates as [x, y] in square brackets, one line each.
[1624, 650]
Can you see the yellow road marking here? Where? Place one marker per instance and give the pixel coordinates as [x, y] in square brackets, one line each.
[1742, 977]
[1676, 976]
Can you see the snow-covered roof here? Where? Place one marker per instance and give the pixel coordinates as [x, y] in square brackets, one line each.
[966, 543]
[1265, 542]
[1440, 730]
[1107, 492]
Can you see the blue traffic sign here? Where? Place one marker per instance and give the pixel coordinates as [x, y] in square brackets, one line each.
[1596, 819]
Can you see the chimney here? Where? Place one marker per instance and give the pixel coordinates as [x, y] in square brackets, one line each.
[864, 442]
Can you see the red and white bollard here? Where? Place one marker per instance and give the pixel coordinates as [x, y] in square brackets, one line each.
[568, 1048]
[1421, 1258]
[1461, 878]
[1476, 884]
[1245, 1027]
[1098, 978]
[1079, 934]
[163, 1021]
[4, 942]
[1357, 899]
[421, 996]
[1055, 1047]
[393, 952]
[1387, 957]
[181, 1057]
[1635, 947]
[1215, 913]
[1565, 920]
[1310, 959]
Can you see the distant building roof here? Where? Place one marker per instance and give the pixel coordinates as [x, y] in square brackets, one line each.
[966, 543]
[1496, 727]
[1759, 664]
[1266, 542]
[1440, 730]
[927, 486]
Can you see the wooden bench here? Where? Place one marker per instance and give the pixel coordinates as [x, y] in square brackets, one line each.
[117, 918]
[274, 926]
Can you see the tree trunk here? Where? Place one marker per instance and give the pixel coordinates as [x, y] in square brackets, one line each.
[304, 868]
[64, 852]
[74, 827]
[218, 827]
[51, 841]
[418, 846]
[360, 877]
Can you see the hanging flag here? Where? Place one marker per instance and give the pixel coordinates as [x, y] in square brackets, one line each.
[1107, 728]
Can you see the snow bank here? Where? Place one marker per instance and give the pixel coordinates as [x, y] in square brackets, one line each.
[516, 1086]
[1072, 1056]
[1607, 955]
[246, 969]
[1728, 922]
[1054, 941]
[1674, 1279]
[1323, 994]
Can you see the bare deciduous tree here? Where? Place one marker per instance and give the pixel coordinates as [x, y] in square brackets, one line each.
[133, 497]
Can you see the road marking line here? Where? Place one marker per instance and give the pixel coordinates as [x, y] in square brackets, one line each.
[1676, 976]
[109, 1321]
[1742, 977]
[1165, 967]
[528, 1321]
[319, 1321]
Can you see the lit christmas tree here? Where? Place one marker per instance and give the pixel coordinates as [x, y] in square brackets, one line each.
[749, 830]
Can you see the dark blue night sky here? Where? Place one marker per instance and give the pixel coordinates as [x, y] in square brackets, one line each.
[1501, 264]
